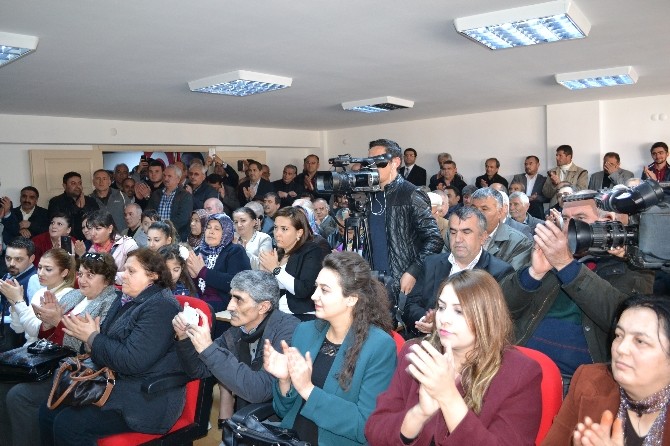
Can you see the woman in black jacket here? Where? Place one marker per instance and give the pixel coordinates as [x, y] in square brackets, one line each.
[296, 262]
[136, 341]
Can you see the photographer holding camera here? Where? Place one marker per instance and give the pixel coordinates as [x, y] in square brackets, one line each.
[562, 305]
[402, 230]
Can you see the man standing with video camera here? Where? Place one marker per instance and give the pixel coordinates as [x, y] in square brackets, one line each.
[402, 229]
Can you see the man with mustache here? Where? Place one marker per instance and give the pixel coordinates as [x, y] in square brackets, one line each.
[28, 219]
[236, 357]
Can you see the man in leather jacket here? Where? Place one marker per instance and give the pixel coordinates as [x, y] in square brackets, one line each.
[402, 229]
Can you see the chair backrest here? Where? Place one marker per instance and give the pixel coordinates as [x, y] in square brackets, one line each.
[198, 303]
[552, 390]
[399, 340]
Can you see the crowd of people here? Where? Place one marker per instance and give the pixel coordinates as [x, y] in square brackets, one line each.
[317, 303]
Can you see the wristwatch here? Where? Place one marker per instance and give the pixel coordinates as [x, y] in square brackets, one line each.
[276, 271]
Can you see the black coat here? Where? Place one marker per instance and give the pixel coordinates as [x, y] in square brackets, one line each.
[417, 176]
[304, 265]
[424, 295]
[137, 342]
[263, 188]
[39, 223]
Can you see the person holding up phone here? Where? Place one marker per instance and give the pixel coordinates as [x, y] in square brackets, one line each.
[464, 383]
[58, 236]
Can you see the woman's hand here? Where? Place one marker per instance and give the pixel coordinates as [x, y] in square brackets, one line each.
[81, 327]
[12, 290]
[48, 299]
[425, 324]
[300, 370]
[268, 260]
[194, 264]
[275, 363]
[609, 432]
[200, 336]
[434, 371]
[79, 248]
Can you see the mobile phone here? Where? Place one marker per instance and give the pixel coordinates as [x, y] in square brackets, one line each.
[212, 152]
[143, 158]
[66, 243]
[192, 317]
[240, 165]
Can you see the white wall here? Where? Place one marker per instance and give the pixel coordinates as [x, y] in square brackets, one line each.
[19, 134]
[625, 126]
[509, 135]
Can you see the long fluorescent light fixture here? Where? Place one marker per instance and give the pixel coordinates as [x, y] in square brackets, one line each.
[377, 105]
[607, 77]
[15, 46]
[526, 25]
[240, 83]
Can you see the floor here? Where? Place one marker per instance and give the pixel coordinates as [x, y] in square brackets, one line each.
[213, 437]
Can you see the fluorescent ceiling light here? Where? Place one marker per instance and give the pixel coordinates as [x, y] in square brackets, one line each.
[15, 46]
[240, 83]
[607, 77]
[376, 105]
[526, 25]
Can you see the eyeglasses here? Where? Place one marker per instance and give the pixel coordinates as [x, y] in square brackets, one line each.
[94, 256]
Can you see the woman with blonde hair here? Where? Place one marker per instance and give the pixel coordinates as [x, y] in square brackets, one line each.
[464, 383]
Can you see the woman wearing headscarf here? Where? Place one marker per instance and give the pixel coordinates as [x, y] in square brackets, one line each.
[216, 265]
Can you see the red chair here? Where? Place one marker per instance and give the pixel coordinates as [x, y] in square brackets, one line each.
[194, 420]
[552, 390]
[399, 340]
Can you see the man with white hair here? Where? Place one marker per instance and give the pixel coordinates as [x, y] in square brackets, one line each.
[200, 189]
[524, 229]
[327, 224]
[213, 206]
[518, 210]
[132, 214]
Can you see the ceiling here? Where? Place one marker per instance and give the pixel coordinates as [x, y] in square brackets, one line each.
[132, 60]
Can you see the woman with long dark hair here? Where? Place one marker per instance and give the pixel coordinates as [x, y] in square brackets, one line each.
[464, 384]
[328, 381]
[296, 262]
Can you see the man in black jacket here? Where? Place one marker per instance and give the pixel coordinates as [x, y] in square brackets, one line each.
[467, 233]
[28, 219]
[402, 230]
[255, 187]
[411, 172]
[73, 202]
[491, 176]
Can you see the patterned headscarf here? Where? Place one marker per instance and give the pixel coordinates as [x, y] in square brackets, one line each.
[310, 219]
[194, 240]
[227, 226]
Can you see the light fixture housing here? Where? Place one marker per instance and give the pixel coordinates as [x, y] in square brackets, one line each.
[240, 83]
[606, 77]
[378, 105]
[526, 25]
[15, 46]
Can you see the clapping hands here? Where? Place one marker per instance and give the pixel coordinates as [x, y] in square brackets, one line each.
[289, 367]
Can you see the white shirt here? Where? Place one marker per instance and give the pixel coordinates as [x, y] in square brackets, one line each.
[455, 268]
[530, 184]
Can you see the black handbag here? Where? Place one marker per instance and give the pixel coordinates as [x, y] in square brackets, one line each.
[79, 382]
[34, 362]
[245, 429]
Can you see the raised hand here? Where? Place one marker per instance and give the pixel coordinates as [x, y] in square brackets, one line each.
[609, 432]
[275, 363]
[200, 335]
[300, 371]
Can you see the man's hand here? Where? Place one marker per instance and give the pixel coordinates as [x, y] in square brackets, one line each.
[483, 183]
[554, 244]
[650, 174]
[407, 282]
[5, 206]
[553, 176]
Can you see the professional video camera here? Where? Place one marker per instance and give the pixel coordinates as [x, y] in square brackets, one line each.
[648, 208]
[364, 180]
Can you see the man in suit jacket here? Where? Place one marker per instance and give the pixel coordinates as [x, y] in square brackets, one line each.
[410, 171]
[518, 210]
[28, 219]
[611, 175]
[533, 182]
[565, 170]
[173, 202]
[255, 187]
[467, 230]
[503, 241]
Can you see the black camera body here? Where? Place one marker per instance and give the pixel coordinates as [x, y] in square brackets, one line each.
[364, 180]
[648, 208]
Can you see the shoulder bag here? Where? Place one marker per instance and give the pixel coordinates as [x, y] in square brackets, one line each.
[34, 362]
[79, 382]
